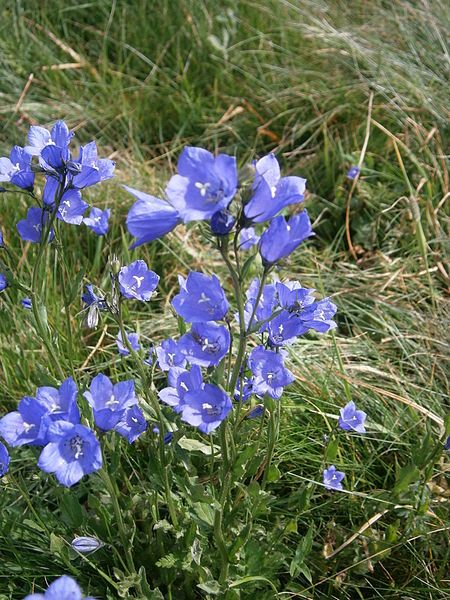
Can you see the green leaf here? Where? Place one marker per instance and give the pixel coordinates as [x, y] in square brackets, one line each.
[407, 475]
[246, 266]
[196, 446]
[332, 450]
[210, 587]
[205, 512]
[303, 549]
[74, 290]
[273, 474]
[167, 562]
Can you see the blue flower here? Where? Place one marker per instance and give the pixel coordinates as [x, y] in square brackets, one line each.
[201, 298]
[132, 424]
[269, 373]
[133, 339]
[222, 222]
[319, 315]
[168, 436]
[86, 544]
[282, 237]
[109, 402]
[206, 408]
[255, 412]
[72, 207]
[137, 281]
[332, 478]
[17, 169]
[352, 419]
[353, 172]
[180, 382]
[64, 588]
[447, 443]
[268, 302]
[91, 169]
[51, 147]
[26, 425]
[284, 328]
[30, 229]
[248, 238]
[150, 218]
[26, 303]
[293, 297]
[244, 389]
[169, 355]
[3, 282]
[72, 451]
[98, 220]
[60, 404]
[206, 344]
[204, 184]
[2, 245]
[90, 298]
[4, 460]
[272, 192]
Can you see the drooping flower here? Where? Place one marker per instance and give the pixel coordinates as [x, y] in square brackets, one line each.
[222, 222]
[31, 228]
[90, 297]
[169, 355]
[109, 402]
[271, 192]
[332, 478]
[3, 282]
[447, 443]
[4, 460]
[26, 425]
[91, 169]
[26, 303]
[137, 281]
[352, 419]
[150, 218]
[17, 169]
[248, 238]
[353, 172]
[98, 220]
[133, 339]
[204, 184]
[64, 588]
[270, 376]
[282, 237]
[201, 298]
[132, 424]
[180, 382]
[206, 408]
[86, 544]
[2, 244]
[206, 344]
[60, 404]
[72, 207]
[72, 451]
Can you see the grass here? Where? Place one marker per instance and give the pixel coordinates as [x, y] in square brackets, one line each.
[249, 77]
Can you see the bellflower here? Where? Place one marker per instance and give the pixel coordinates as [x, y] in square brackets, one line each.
[352, 419]
[267, 303]
[26, 303]
[353, 172]
[244, 389]
[137, 281]
[51, 146]
[293, 297]
[98, 220]
[86, 544]
[60, 404]
[271, 192]
[72, 451]
[206, 344]
[248, 238]
[132, 424]
[255, 412]
[2, 245]
[72, 207]
[201, 298]
[91, 169]
[222, 222]
[3, 282]
[90, 297]
[206, 408]
[27, 425]
[332, 478]
[4, 460]
[270, 374]
[133, 339]
[447, 443]
[109, 402]
[168, 437]
[64, 588]
[204, 184]
[284, 328]
[30, 229]
[282, 237]
[17, 169]
[180, 382]
[319, 315]
[169, 355]
[150, 218]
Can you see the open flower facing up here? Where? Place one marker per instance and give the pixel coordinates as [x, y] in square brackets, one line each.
[206, 408]
[181, 381]
[169, 355]
[27, 425]
[72, 451]
[282, 237]
[4, 460]
[132, 423]
[17, 169]
[352, 419]
[332, 478]
[137, 281]
[133, 339]
[109, 402]
[201, 298]
[60, 404]
[271, 192]
[64, 588]
[270, 376]
[98, 220]
[31, 228]
[206, 344]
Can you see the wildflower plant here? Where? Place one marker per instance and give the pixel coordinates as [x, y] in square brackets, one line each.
[204, 404]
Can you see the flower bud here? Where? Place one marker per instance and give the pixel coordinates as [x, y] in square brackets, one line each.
[114, 264]
[86, 545]
[222, 222]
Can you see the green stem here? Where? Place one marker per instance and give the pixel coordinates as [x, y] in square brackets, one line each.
[274, 424]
